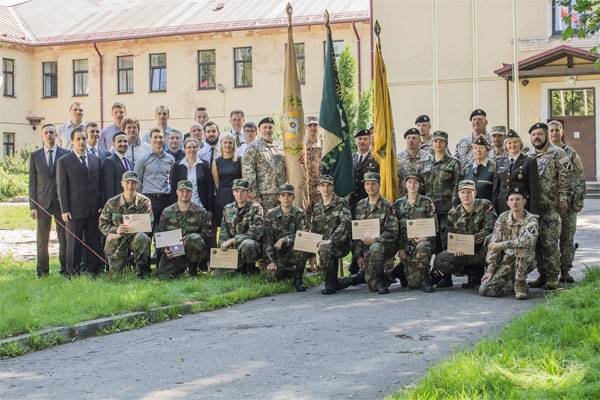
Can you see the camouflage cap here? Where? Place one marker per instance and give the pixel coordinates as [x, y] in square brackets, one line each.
[185, 184]
[311, 119]
[498, 130]
[414, 175]
[286, 188]
[130, 176]
[240, 184]
[371, 176]
[440, 135]
[326, 179]
[466, 184]
[481, 142]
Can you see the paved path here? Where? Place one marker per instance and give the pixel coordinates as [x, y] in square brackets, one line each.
[296, 346]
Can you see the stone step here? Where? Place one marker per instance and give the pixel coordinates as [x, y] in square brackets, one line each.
[592, 190]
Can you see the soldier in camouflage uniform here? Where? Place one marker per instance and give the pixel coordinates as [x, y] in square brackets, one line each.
[511, 250]
[281, 224]
[313, 158]
[119, 243]
[263, 166]
[196, 232]
[411, 159]
[242, 227]
[498, 134]
[472, 217]
[478, 125]
[568, 219]
[441, 175]
[415, 253]
[554, 170]
[331, 218]
[423, 124]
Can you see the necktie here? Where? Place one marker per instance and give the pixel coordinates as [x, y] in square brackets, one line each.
[82, 158]
[94, 150]
[212, 156]
[126, 164]
[512, 161]
[50, 160]
[360, 159]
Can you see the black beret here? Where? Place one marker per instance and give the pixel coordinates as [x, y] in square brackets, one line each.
[481, 141]
[539, 125]
[362, 132]
[266, 120]
[516, 190]
[512, 134]
[477, 112]
[422, 118]
[412, 131]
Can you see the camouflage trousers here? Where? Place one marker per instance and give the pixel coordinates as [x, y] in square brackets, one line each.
[450, 264]
[547, 248]
[568, 225]
[195, 251]
[329, 255]
[375, 257]
[417, 263]
[290, 264]
[117, 253]
[269, 201]
[509, 271]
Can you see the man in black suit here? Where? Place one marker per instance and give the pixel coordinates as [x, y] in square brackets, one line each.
[92, 132]
[80, 197]
[362, 162]
[43, 199]
[114, 166]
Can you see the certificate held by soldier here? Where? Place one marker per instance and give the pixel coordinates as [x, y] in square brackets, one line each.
[365, 228]
[420, 228]
[168, 238]
[307, 241]
[458, 243]
[227, 259]
[138, 222]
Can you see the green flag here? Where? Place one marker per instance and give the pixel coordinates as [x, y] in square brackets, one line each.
[337, 151]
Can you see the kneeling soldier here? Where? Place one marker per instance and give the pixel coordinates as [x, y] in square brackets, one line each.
[281, 224]
[415, 253]
[511, 252]
[242, 227]
[472, 217]
[119, 242]
[195, 226]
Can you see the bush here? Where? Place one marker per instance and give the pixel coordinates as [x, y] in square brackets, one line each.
[14, 175]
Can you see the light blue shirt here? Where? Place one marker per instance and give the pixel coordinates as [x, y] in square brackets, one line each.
[154, 173]
[204, 154]
[138, 151]
[65, 134]
[106, 137]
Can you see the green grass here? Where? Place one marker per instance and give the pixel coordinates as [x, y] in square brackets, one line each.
[552, 352]
[28, 304]
[16, 217]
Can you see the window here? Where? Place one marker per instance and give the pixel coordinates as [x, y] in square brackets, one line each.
[572, 102]
[207, 66]
[158, 72]
[125, 74]
[50, 79]
[8, 70]
[9, 144]
[242, 57]
[558, 13]
[80, 77]
[300, 62]
[338, 47]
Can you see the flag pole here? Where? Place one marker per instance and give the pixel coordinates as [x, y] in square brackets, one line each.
[435, 87]
[475, 55]
[516, 101]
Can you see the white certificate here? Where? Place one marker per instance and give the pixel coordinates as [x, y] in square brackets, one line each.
[365, 228]
[307, 241]
[138, 222]
[461, 243]
[223, 259]
[168, 238]
[420, 228]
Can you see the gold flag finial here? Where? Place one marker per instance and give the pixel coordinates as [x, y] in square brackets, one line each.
[377, 28]
[326, 17]
[289, 9]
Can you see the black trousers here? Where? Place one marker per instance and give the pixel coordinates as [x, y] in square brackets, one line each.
[159, 202]
[83, 228]
[44, 223]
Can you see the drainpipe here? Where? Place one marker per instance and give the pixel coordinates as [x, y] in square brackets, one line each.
[371, 33]
[101, 85]
[359, 58]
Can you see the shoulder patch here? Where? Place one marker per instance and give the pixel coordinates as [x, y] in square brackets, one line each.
[532, 230]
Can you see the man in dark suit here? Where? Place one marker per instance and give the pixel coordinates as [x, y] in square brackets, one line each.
[44, 199]
[80, 197]
[92, 132]
[114, 166]
[362, 162]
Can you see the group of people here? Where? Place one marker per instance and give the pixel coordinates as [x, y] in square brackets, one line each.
[88, 179]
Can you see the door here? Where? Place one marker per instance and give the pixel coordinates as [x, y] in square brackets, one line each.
[576, 109]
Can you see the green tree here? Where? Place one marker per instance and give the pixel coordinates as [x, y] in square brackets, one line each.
[582, 19]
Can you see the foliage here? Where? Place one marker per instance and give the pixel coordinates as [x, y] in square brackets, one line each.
[582, 19]
[14, 175]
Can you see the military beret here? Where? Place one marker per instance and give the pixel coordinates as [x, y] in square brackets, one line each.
[185, 184]
[286, 188]
[516, 190]
[326, 179]
[266, 120]
[362, 132]
[240, 184]
[411, 131]
[440, 135]
[498, 129]
[422, 118]
[414, 175]
[130, 176]
[371, 176]
[477, 112]
[466, 184]
[512, 134]
[539, 125]
[311, 119]
[481, 141]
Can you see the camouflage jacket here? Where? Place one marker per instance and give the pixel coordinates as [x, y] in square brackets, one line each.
[427, 145]
[517, 237]
[388, 224]
[479, 222]
[495, 153]
[263, 166]
[554, 168]
[576, 178]
[242, 223]
[422, 208]
[333, 221]
[441, 181]
[195, 220]
[114, 209]
[463, 148]
[407, 164]
[278, 225]
[313, 164]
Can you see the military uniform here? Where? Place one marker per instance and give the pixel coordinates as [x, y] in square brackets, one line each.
[511, 264]
[463, 151]
[521, 173]
[497, 152]
[117, 250]
[263, 166]
[483, 175]
[313, 163]
[361, 167]
[245, 225]
[408, 164]
[196, 231]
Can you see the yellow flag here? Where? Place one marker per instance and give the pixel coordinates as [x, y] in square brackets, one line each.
[293, 123]
[384, 148]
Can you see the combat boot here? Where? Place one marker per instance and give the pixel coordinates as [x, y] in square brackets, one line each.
[328, 290]
[382, 289]
[427, 288]
[551, 284]
[299, 285]
[521, 290]
[538, 283]
[473, 279]
[445, 282]
[401, 275]
[566, 277]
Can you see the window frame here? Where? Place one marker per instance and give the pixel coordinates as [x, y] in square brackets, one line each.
[244, 62]
[82, 73]
[554, 6]
[571, 103]
[337, 55]
[5, 73]
[50, 75]
[200, 64]
[151, 70]
[6, 145]
[127, 78]
[301, 60]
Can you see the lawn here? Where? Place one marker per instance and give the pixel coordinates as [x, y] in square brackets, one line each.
[552, 352]
[16, 217]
